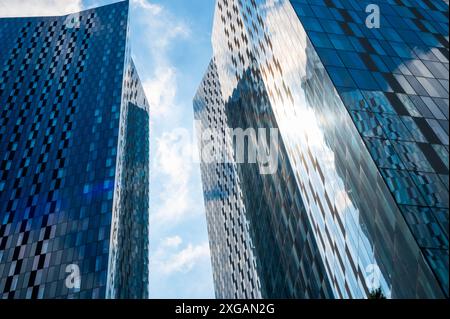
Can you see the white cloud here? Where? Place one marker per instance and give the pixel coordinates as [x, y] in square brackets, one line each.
[143, 4]
[162, 30]
[161, 90]
[187, 258]
[173, 164]
[25, 8]
[174, 241]
[182, 260]
[170, 161]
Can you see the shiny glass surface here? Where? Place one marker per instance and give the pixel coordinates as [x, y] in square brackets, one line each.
[64, 93]
[363, 119]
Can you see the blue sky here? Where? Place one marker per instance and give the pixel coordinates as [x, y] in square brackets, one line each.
[171, 47]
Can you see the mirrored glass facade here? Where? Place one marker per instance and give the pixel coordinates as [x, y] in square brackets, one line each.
[360, 197]
[232, 256]
[74, 135]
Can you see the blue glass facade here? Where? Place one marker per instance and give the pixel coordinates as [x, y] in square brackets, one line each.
[74, 134]
[362, 182]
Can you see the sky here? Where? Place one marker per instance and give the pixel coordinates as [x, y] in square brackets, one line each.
[171, 47]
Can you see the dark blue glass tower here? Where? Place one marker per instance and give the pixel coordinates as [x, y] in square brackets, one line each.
[74, 158]
[359, 201]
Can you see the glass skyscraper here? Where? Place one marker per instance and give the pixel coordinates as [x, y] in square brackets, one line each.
[359, 200]
[74, 158]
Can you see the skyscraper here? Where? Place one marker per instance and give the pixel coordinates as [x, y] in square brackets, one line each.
[74, 166]
[359, 199]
